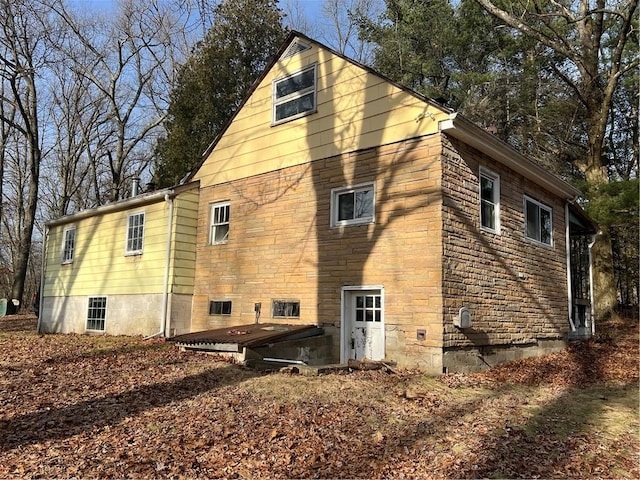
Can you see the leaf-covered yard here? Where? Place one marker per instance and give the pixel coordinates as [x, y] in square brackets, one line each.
[93, 406]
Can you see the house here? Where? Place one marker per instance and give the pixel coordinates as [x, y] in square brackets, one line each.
[337, 198]
[124, 268]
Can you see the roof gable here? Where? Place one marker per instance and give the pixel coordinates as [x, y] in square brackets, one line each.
[356, 108]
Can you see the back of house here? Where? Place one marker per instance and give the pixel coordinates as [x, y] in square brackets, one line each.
[335, 197]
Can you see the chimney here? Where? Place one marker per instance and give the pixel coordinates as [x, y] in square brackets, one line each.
[135, 186]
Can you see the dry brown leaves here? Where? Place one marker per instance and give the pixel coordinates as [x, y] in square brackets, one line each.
[611, 357]
[114, 407]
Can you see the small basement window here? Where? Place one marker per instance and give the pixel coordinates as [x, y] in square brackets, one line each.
[220, 307]
[97, 313]
[286, 309]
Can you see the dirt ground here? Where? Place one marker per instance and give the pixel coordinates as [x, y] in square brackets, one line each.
[97, 406]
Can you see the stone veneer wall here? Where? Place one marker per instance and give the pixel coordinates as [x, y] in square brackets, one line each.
[281, 246]
[515, 289]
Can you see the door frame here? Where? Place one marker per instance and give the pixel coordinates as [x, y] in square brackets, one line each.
[345, 326]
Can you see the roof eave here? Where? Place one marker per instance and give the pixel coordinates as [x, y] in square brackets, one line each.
[464, 130]
[127, 204]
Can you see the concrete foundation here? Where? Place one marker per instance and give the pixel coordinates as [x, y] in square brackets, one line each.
[476, 359]
[125, 314]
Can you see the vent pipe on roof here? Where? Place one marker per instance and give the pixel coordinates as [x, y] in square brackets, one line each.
[135, 186]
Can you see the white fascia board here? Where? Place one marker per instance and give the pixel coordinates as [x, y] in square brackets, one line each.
[129, 203]
[462, 129]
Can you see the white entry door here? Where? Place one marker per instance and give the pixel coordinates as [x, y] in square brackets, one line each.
[364, 324]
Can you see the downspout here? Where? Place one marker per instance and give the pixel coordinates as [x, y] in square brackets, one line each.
[591, 295]
[568, 253]
[165, 288]
[165, 293]
[45, 240]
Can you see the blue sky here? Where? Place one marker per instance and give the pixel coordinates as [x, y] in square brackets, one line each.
[311, 8]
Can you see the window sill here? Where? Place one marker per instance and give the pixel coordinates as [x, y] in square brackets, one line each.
[353, 223]
[538, 242]
[489, 230]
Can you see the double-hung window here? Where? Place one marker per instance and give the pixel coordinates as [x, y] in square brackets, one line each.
[135, 233]
[68, 244]
[295, 95]
[97, 313]
[489, 201]
[538, 221]
[353, 205]
[219, 227]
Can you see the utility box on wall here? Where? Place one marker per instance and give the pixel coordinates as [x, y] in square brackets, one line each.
[463, 319]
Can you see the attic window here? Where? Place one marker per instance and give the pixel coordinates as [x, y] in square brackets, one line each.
[294, 96]
[295, 48]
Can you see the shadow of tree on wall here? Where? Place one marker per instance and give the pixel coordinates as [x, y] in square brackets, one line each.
[351, 255]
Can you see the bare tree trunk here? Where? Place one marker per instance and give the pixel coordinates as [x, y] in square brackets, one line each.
[23, 32]
[595, 47]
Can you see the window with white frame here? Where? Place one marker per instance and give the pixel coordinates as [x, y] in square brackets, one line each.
[68, 244]
[368, 308]
[219, 228]
[220, 307]
[286, 309]
[353, 205]
[295, 95]
[489, 200]
[97, 313]
[538, 221]
[135, 233]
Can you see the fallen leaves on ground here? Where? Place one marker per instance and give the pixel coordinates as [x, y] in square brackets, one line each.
[96, 406]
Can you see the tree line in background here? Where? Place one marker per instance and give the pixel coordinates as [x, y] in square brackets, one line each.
[91, 101]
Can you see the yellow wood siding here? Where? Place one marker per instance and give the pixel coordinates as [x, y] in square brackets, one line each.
[183, 259]
[100, 265]
[355, 110]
